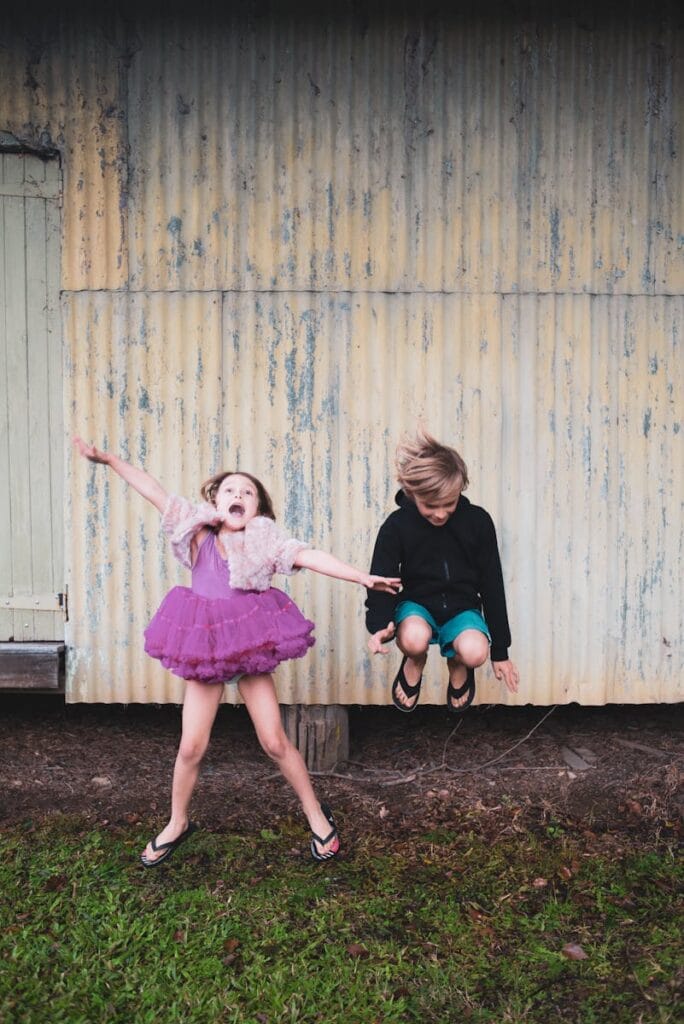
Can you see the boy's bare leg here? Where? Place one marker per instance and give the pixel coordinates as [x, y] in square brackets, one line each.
[413, 639]
[471, 649]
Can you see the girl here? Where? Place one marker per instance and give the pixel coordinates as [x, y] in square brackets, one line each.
[452, 584]
[231, 626]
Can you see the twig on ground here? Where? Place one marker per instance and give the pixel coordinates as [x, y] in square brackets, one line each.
[443, 766]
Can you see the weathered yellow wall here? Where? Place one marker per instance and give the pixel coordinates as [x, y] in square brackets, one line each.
[281, 246]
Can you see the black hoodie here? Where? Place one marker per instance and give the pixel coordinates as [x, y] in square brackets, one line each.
[447, 569]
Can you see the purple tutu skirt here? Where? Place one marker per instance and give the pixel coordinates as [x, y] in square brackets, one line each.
[214, 639]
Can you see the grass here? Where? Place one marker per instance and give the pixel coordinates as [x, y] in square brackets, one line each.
[444, 928]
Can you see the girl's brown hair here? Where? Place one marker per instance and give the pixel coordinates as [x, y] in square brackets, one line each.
[211, 486]
[428, 470]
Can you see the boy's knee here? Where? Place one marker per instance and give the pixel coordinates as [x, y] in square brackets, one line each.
[414, 638]
[472, 650]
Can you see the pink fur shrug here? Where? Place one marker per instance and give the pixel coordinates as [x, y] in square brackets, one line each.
[254, 553]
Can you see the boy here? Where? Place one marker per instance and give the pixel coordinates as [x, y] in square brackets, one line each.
[445, 551]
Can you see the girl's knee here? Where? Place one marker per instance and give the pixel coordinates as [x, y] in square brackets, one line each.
[192, 749]
[274, 744]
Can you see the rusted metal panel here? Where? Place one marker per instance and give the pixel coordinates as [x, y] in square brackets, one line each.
[62, 92]
[570, 427]
[418, 156]
[143, 379]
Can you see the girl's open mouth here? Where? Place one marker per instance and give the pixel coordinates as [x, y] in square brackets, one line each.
[236, 509]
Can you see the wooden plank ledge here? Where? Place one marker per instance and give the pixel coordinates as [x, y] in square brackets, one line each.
[35, 665]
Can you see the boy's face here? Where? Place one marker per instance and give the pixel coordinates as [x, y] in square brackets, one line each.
[437, 512]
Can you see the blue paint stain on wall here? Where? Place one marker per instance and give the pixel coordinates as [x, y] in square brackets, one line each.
[198, 247]
[331, 210]
[143, 399]
[630, 337]
[298, 497]
[273, 344]
[647, 423]
[554, 221]
[653, 364]
[299, 379]
[586, 450]
[174, 228]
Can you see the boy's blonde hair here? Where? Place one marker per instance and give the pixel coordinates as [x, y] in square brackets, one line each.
[428, 470]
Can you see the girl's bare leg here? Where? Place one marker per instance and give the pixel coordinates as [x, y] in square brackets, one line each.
[413, 639]
[471, 649]
[261, 701]
[199, 711]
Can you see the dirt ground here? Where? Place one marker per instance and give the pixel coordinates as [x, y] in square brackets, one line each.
[613, 768]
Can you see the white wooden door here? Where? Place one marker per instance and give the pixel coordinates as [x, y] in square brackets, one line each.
[31, 416]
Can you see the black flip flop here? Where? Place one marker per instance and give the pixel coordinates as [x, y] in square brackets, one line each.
[323, 840]
[408, 691]
[468, 687]
[168, 848]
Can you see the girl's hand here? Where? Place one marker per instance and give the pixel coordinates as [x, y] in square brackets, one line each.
[391, 585]
[375, 644]
[507, 672]
[89, 451]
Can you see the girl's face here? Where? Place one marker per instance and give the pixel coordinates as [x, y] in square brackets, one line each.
[436, 513]
[237, 500]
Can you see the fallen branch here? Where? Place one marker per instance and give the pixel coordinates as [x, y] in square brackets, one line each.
[633, 745]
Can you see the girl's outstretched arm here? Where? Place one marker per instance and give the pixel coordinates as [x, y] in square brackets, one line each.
[328, 565]
[139, 480]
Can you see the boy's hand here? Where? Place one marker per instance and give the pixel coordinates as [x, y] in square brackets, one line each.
[89, 451]
[375, 644]
[390, 585]
[508, 673]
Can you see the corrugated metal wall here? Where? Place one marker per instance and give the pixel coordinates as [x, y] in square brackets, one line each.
[283, 242]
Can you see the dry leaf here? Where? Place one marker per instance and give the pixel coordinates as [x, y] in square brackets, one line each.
[358, 951]
[539, 883]
[573, 951]
[383, 812]
[56, 883]
[230, 945]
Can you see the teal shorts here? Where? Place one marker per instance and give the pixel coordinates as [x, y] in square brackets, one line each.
[445, 634]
